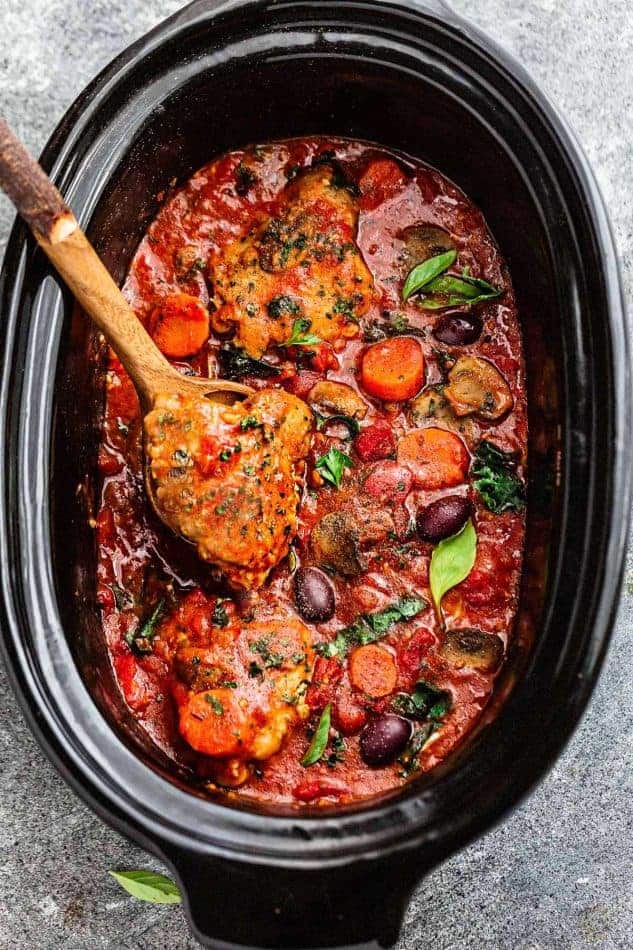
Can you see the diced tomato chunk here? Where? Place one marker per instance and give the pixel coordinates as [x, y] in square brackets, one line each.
[324, 358]
[134, 681]
[347, 716]
[325, 678]
[375, 442]
[301, 384]
[410, 656]
[382, 179]
[311, 788]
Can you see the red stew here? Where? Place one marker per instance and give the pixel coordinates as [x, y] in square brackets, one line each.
[369, 286]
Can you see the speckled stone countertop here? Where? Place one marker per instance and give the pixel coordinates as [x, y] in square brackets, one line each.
[559, 872]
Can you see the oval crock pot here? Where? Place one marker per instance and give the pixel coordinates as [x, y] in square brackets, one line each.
[419, 79]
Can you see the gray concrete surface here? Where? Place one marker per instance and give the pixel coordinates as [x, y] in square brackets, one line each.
[557, 874]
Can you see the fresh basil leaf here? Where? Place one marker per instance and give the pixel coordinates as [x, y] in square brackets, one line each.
[423, 273]
[493, 477]
[371, 627]
[425, 702]
[141, 639]
[332, 465]
[319, 739]
[235, 363]
[148, 886]
[300, 336]
[452, 561]
[452, 291]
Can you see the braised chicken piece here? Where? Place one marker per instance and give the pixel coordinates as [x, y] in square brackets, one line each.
[240, 686]
[301, 264]
[227, 477]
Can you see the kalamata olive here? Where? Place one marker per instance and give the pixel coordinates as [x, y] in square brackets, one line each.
[314, 595]
[458, 329]
[443, 518]
[383, 739]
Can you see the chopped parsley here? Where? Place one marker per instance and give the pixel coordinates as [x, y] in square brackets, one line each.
[279, 306]
[300, 335]
[332, 465]
[215, 704]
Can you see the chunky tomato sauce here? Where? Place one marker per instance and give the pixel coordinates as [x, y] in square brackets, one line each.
[342, 675]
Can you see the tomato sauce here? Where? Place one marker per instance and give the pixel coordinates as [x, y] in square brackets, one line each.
[387, 478]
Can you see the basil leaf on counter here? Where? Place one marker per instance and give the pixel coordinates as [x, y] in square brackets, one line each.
[419, 276]
[319, 739]
[500, 488]
[452, 561]
[332, 465]
[148, 886]
[454, 291]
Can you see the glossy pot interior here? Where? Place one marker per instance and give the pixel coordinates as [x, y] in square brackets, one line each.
[415, 79]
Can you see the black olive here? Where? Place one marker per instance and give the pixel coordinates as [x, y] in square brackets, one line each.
[443, 518]
[314, 595]
[384, 738]
[458, 329]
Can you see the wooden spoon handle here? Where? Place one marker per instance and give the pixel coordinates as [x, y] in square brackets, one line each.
[59, 235]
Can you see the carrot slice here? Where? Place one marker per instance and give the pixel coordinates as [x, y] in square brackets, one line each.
[214, 723]
[437, 458]
[179, 325]
[373, 670]
[393, 369]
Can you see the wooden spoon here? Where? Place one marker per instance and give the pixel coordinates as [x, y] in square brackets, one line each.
[57, 232]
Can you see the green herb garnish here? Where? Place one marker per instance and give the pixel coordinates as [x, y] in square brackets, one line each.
[215, 704]
[409, 760]
[422, 274]
[300, 336]
[371, 627]
[452, 291]
[271, 660]
[332, 465]
[425, 702]
[141, 639]
[319, 739]
[279, 306]
[451, 562]
[148, 886]
[494, 478]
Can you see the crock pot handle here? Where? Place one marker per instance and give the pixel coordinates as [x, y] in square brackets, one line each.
[235, 906]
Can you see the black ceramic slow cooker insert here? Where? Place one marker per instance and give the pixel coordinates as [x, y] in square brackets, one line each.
[417, 78]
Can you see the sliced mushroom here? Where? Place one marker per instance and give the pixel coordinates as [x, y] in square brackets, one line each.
[338, 398]
[472, 648]
[430, 404]
[422, 241]
[476, 387]
[335, 543]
